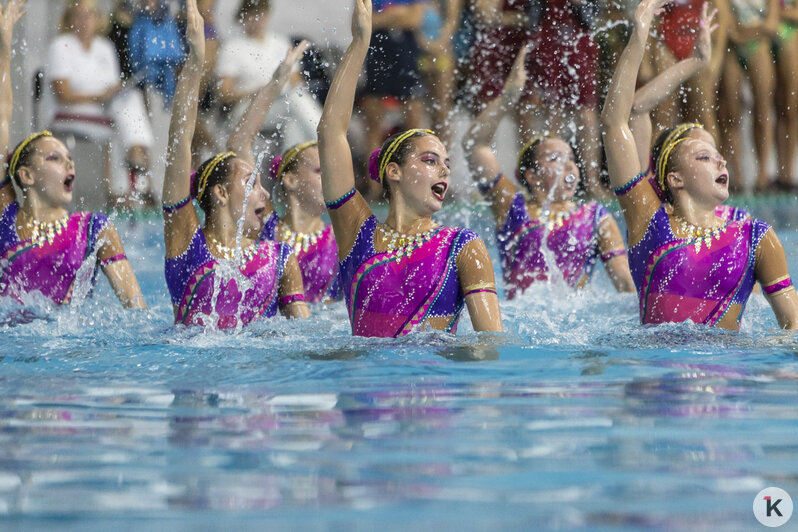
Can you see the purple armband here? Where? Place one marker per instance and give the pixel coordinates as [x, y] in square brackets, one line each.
[778, 286]
[624, 189]
[105, 262]
[612, 254]
[293, 298]
[483, 185]
[174, 207]
[337, 204]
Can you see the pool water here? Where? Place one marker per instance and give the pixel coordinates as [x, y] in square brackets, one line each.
[576, 418]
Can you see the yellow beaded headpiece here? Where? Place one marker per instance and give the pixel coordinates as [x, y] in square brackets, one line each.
[671, 141]
[385, 157]
[532, 142]
[206, 172]
[292, 153]
[14, 162]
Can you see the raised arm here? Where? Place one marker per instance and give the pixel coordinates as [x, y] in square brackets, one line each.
[179, 225]
[652, 93]
[338, 175]
[623, 162]
[243, 136]
[478, 142]
[9, 15]
[337, 172]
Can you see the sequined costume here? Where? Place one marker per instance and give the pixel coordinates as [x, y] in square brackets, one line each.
[571, 240]
[192, 280]
[388, 294]
[49, 266]
[694, 279]
[318, 262]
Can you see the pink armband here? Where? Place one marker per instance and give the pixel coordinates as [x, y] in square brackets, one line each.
[293, 298]
[778, 286]
[105, 262]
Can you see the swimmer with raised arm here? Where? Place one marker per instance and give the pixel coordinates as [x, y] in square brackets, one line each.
[268, 274]
[42, 244]
[578, 234]
[298, 173]
[650, 95]
[687, 262]
[407, 272]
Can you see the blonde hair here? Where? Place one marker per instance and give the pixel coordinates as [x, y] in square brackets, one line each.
[65, 24]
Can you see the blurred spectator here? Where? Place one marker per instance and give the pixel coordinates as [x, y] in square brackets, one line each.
[156, 48]
[89, 102]
[437, 63]
[392, 66]
[119, 27]
[246, 63]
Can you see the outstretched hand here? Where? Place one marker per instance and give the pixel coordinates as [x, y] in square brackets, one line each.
[703, 47]
[361, 20]
[645, 12]
[292, 57]
[195, 32]
[9, 15]
[516, 81]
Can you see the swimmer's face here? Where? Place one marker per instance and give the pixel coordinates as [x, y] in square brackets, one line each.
[240, 174]
[304, 183]
[701, 173]
[423, 179]
[50, 173]
[556, 175]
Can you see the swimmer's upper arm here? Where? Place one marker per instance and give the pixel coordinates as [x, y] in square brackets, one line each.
[771, 266]
[291, 285]
[117, 268]
[478, 284]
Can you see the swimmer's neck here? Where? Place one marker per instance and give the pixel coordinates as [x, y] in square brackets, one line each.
[33, 208]
[693, 212]
[224, 232]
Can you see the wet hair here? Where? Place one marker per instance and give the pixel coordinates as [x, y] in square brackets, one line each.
[667, 138]
[395, 149]
[250, 8]
[22, 154]
[218, 169]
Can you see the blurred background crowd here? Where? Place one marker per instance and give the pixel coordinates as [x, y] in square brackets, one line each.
[102, 74]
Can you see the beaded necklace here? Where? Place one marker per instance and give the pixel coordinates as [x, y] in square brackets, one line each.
[701, 235]
[403, 245]
[553, 220]
[45, 232]
[298, 240]
[229, 253]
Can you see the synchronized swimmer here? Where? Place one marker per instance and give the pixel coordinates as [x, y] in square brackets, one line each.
[689, 258]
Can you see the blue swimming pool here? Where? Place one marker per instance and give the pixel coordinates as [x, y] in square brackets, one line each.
[576, 419]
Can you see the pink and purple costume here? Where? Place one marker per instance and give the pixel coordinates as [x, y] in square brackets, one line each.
[387, 295]
[318, 263]
[678, 280]
[574, 245]
[49, 268]
[191, 280]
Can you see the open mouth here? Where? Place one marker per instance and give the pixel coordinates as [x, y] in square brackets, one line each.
[723, 179]
[259, 212]
[68, 182]
[570, 179]
[439, 190]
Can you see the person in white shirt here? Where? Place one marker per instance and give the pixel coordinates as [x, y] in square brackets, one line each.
[88, 100]
[247, 63]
